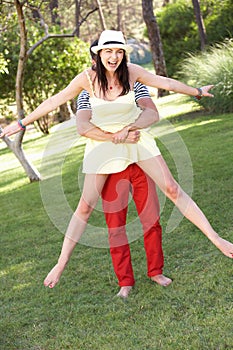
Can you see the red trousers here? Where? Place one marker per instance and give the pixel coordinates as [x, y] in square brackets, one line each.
[115, 205]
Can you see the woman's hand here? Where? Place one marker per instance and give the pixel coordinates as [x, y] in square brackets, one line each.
[10, 130]
[205, 90]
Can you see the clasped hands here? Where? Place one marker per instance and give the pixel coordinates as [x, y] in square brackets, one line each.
[126, 135]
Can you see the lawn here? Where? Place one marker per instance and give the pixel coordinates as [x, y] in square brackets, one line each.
[82, 311]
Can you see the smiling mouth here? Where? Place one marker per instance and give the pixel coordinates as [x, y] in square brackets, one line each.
[112, 63]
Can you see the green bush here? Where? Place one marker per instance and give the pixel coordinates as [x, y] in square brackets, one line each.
[212, 67]
[179, 31]
[51, 67]
[218, 19]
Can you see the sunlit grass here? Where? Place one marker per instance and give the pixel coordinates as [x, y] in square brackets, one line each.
[82, 312]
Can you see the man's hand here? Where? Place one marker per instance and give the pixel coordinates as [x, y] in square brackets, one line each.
[120, 136]
[133, 136]
[126, 136]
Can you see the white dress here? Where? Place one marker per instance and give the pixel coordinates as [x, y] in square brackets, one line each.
[105, 157]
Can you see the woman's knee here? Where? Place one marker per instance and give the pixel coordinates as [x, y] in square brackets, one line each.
[172, 190]
[84, 208]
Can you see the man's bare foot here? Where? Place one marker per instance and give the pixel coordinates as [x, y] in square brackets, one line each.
[161, 280]
[124, 291]
[53, 277]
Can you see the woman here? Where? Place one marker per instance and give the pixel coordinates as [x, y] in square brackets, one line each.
[114, 110]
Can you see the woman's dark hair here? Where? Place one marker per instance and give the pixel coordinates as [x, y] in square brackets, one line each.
[93, 55]
[122, 75]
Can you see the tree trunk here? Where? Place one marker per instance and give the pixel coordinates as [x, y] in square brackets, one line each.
[155, 41]
[119, 27]
[16, 145]
[53, 6]
[101, 15]
[64, 113]
[200, 23]
[165, 2]
[43, 124]
[77, 17]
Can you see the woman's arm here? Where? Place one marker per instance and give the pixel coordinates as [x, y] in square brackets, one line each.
[140, 74]
[72, 90]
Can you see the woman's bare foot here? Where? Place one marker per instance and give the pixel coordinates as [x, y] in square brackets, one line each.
[53, 277]
[226, 247]
[124, 291]
[161, 280]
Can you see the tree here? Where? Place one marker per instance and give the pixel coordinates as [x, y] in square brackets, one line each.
[155, 41]
[16, 144]
[55, 18]
[101, 15]
[200, 23]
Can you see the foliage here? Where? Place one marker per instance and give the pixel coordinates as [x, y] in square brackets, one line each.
[213, 66]
[218, 19]
[9, 48]
[82, 312]
[52, 66]
[179, 31]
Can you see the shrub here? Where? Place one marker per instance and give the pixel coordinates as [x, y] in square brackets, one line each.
[213, 66]
[179, 31]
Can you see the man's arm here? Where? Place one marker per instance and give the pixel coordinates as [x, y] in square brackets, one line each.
[147, 117]
[88, 129]
[150, 114]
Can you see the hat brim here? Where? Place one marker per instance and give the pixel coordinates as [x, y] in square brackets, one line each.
[97, 48]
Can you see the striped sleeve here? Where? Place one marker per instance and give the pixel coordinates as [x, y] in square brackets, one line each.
[140, 91]
[83, 101]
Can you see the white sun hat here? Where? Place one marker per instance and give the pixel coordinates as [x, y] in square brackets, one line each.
[111, 39]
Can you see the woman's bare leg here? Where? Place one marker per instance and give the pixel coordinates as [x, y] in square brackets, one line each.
[158, 170]
[93, 185]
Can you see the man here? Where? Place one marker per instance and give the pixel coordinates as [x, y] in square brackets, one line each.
[115, 197]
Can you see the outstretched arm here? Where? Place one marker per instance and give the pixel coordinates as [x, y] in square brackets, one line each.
[50, 104]
[138, 73]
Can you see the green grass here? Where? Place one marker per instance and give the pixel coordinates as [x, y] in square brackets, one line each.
[82, 312]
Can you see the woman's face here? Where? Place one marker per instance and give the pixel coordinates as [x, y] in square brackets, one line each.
[111, 58]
